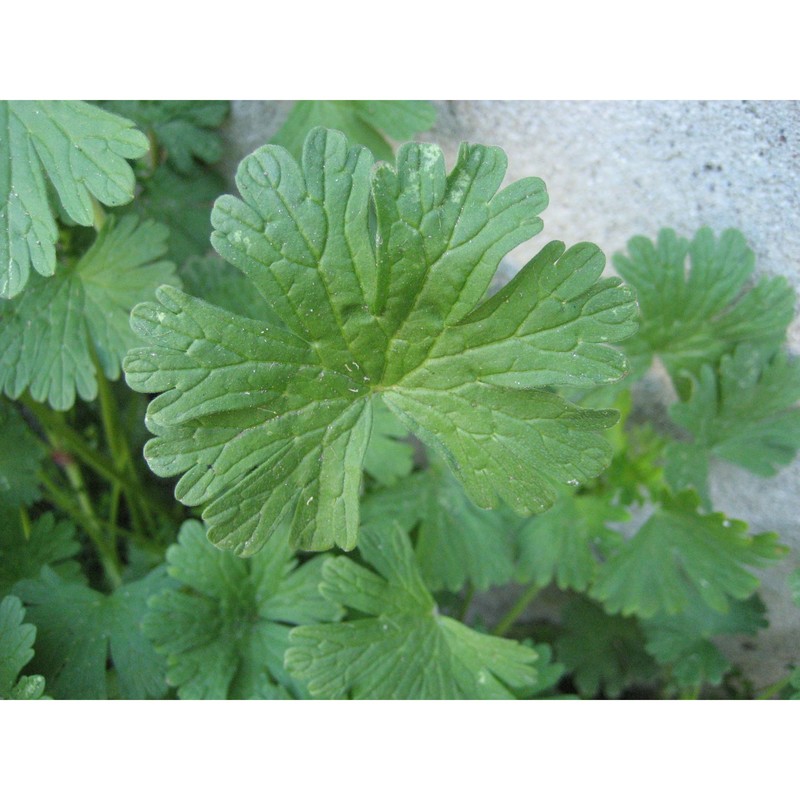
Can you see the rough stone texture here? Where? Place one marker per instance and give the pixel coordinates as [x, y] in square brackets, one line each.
[617, 169]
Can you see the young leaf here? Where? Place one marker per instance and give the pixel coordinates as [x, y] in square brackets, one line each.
[684, 642]
[748, 415]
[365, 122]
[16, 643]
[49, 334]
[82, 150]
[184, 128]
[49, 543]
[397, 645]
[679, 554]
[691, 318]
[225, 628]
[20, 458]
[605, 653]
[269, 422]
[565, 543]
[79, 629]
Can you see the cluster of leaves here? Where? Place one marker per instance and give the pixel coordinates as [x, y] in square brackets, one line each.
[345, 379]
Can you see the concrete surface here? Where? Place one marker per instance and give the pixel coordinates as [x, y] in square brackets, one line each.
[617, 169]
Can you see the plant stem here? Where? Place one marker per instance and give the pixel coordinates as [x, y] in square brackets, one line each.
[513, 614]
[120, 453]
[466, 602]
[90, 522]
[770, 691]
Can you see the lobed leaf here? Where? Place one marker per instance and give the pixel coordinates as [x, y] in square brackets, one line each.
[692, 317]
[82, 151]
[396, 645]
[268, 421]
[225, 627]
[16, 650]
[50, 336]
[80, 630]
[679, 554]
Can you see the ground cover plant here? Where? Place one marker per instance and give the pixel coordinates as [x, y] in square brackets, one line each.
[283, 443]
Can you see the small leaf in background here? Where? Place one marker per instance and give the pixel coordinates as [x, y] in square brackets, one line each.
[567, 543]
[274, 421]
[16, 650]
[456, 542]
[49, 543]
[224, 629]
[48, 335]
[185, 129]
[689, 318]
[684, 642]
[80, 629]
[604, 653]
[82, 150]
[680, 554]
[183, 203]
[747, 414]
[396, 645]
[364, 122]
[21, 456]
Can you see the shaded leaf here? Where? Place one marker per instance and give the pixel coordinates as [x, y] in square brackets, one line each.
[16, 650]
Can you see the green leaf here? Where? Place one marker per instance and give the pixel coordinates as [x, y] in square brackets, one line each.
[604, 653]
[364, 122]
[270, 422]
[183, 203]
[49, 543]
[679, 554]
[82, 150]
[456, 542]
[396, 645]
[747, 415]
[79, 629]
[16, 643]
[185, 129]
[389, 455]
[689, 318]
[48, 335]
[225, 628]
[566, 543]
[21, 456]
[684, 642]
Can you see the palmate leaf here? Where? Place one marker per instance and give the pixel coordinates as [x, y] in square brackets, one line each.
[80, 629]
[685, 642]
[566, 543]
[82, 150]
[456, 542]
[184, 128]
[16, 650]
[364, 122]
[225, 628]
[689, 318]
[49, 335]
[49, 543]
[679, 554]
[746, 414]
[605, 653]
[398, 646]
[272, 421]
